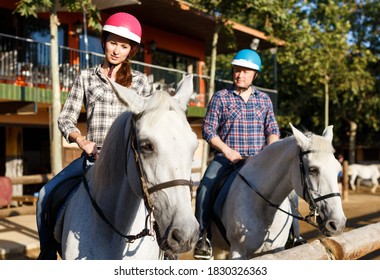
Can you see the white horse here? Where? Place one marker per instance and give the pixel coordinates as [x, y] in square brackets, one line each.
[366, 172]
[256, 214]
[135, 200]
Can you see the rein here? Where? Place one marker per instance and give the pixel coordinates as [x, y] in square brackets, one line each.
[132, 141]
[306, 191]
[129, 238]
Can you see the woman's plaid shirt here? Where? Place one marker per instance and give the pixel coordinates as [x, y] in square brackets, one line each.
[101, 103]
[242, 126]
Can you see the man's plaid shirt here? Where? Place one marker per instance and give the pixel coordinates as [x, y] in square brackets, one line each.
[242, 126]
[102, 105]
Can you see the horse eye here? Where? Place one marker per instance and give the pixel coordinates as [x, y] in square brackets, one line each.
[314, 171]
[146, 146]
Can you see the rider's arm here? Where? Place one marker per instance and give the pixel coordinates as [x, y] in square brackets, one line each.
[272, 138]
[231, 154]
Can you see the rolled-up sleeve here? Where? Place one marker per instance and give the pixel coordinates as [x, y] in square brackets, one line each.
[68, 118]
[211, 120]
[271, 125]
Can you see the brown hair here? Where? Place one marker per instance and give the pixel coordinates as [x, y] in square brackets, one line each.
[124, 74]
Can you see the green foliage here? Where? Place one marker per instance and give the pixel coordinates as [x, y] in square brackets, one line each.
[332, 47]
[323, 52]
[29, 8]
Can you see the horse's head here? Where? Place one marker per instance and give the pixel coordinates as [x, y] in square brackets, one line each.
[166, 144]
[318, 183]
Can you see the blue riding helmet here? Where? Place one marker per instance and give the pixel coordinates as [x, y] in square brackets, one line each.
[247, 58]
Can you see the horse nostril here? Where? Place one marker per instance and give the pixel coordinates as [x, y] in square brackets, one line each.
[332, 225]
[176, 235]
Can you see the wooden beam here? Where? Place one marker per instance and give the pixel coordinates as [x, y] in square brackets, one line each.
[351, 245]
[32, 179]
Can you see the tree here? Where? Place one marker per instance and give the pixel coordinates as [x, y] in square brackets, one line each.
[222, 12]
[31, 8]
[330, 60]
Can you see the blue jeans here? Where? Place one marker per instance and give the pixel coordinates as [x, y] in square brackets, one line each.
[218, 166]
[75, 168]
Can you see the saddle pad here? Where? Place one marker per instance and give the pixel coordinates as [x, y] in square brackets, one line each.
[57, 200]
[222, 195]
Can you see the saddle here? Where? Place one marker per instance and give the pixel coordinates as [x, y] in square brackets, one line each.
[55, 207]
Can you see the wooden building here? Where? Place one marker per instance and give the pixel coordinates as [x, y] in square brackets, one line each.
[176, 40]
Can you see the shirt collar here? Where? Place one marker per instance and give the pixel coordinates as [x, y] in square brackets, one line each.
[232, 89]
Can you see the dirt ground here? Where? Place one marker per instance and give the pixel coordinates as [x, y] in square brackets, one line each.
[361, 208]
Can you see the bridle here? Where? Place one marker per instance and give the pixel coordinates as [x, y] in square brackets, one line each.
[146, 191]
[307, 194]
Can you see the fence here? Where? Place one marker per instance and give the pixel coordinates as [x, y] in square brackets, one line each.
[350, 245]
[26, 62]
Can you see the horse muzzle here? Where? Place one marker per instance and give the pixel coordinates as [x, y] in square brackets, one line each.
[178, 241]
[331, 227]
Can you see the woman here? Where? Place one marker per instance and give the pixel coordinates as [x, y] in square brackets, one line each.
[121, 36]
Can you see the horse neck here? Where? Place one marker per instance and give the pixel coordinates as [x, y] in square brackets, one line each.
[273, 169]
[116, 195]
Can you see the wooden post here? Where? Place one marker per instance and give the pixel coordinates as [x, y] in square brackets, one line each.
[345, 181]
[13, 151]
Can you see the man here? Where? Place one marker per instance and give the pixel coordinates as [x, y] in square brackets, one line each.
[239, 123]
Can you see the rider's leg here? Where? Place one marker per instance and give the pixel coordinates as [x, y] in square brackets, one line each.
[73, 169]
[294, 233]
[217, 167]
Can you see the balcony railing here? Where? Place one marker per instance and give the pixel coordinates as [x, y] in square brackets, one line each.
[26, 62]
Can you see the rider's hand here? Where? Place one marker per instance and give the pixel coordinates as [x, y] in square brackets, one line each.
[88, 147]
[232, 155]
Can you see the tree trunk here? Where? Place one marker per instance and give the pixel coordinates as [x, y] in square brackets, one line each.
[352, 142]
[214, 52]
[56, 138]
[327, 103]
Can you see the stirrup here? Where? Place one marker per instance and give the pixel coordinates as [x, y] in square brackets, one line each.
[203, 249]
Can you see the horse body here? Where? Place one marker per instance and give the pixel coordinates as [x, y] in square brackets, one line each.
[369, 172]
[253, 227]
[133, 192]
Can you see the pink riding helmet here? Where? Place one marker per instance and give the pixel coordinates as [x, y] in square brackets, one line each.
[124, 25]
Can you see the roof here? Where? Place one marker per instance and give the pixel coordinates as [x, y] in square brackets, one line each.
[180, 17]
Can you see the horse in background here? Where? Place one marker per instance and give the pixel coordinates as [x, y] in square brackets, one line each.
[366, 172]
[135, 201]
[256, 216]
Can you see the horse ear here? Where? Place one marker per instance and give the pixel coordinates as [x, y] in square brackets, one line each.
[135, 102]
[302, 140]
[328, 133]
[184, 91]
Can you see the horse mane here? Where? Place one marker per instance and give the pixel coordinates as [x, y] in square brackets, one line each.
[111, 161]
[318, 143]
[160, 102]
[321, 145]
